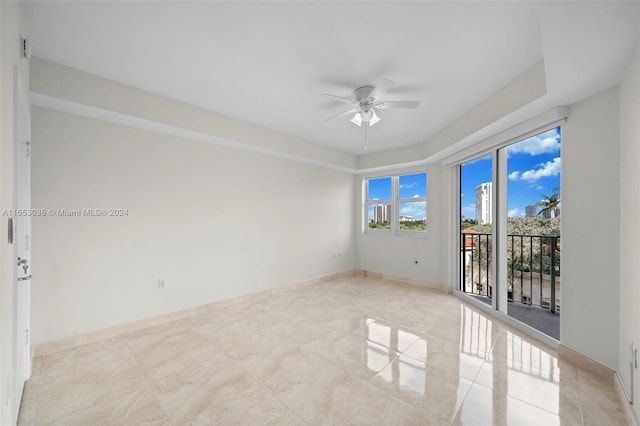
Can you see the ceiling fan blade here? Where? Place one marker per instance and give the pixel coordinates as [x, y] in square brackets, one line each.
[341, 98]
[396, 104]
[381, 87]
[351, 111]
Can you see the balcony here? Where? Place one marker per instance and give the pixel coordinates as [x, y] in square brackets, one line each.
[533, 276]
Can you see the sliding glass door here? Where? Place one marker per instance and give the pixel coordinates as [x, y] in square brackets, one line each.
[510, 242]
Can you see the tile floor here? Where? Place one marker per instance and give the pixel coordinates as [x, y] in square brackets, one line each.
[350, 351]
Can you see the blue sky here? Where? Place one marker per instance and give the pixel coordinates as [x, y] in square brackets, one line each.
[533, 170]
[411, 186]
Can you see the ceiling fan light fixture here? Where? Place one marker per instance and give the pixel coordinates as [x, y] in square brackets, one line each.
[368, 116]
[374, 118]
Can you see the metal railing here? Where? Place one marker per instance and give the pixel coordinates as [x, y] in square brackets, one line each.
[533, 268]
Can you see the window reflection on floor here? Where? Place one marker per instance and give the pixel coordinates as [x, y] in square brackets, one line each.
[476, 332]
[499, 358]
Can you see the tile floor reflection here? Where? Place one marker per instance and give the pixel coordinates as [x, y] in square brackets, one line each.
[350, 351]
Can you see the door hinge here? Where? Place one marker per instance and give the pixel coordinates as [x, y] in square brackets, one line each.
[25, 47]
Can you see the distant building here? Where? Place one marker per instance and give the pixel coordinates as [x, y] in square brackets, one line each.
[381, 213]
[548, 213]
[483, 203]
[531, 211]
[407, 219]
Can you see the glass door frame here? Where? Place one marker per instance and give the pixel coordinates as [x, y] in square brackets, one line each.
[497, 148]
[499, 221]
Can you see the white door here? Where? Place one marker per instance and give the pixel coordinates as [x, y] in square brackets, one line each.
[22, 240]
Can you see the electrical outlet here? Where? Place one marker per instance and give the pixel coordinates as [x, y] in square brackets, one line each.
[162, 283]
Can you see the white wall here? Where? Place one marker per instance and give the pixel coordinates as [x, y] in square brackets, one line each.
[11, 27]
[394, 255]
[590, 233]
[214, 222]
[629, 230]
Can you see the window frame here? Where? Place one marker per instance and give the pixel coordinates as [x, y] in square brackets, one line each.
[369, 202]
[394, 202]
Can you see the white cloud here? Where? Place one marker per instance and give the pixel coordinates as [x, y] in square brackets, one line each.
[469, 208]
[416, 196]
[514, 213]
[544, 143]
[550, 168]
[416, 210]
[408, 185]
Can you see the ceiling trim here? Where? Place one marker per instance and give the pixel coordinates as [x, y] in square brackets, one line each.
[57, 104]
[392, 167]
[62, 105]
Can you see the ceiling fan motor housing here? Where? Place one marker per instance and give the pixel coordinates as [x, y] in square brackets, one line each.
[362, 93]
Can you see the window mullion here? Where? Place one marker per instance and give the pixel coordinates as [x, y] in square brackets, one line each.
[396, 205]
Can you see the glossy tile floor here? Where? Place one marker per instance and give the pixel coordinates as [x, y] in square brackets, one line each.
[350, 351]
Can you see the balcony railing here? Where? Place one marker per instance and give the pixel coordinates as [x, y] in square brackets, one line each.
[533, 268]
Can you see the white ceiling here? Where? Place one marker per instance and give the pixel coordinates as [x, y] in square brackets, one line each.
[269, 62]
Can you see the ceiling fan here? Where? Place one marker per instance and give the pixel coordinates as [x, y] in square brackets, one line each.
[366, 100]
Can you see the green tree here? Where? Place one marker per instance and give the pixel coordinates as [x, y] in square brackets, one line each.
[414, 225]
[468, 223]
[379, 225]
[550, 202]
[528, 245]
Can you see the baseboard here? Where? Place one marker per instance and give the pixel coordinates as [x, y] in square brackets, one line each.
[627, 407]
[120, 329]
[109, 332]
[584, 362]
[402, 280]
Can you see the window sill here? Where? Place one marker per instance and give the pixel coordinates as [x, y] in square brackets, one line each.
[397, 234]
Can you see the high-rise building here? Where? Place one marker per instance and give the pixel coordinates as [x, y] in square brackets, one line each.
[381, 213]
[531, 211]
[483, 203]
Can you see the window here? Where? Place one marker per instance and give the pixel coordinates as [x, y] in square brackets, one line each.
[396, 204]
[379, 200]
[412, 202]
